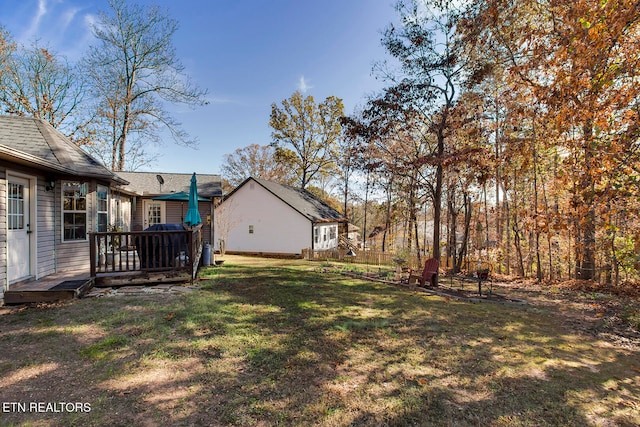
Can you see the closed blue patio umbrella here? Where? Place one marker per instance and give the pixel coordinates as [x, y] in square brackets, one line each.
[193, 216]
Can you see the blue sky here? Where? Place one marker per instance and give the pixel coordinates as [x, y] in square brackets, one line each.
[247, 53]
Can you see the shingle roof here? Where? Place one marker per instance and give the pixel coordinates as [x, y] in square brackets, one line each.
[301, 200]
[147, 183]
[36, 143]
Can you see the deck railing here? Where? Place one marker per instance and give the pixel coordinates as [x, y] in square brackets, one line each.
[125, 252]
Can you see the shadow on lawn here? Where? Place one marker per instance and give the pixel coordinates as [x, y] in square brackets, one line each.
[362, 353]
[269, 345]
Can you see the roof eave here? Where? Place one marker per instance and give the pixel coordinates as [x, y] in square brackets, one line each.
[30, 160]
[328, 220]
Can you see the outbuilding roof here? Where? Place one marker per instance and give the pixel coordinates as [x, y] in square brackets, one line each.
[300, 200]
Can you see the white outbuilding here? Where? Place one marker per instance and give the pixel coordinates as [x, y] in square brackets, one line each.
[265, 217]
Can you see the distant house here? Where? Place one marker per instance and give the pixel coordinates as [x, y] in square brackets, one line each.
[152, 206]
[52, 194]
[265, 217]
[353, 234]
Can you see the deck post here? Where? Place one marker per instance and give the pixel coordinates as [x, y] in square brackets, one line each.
[92, 255]
[192, 255]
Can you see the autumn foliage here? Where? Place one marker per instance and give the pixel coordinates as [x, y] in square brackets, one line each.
[520, 121]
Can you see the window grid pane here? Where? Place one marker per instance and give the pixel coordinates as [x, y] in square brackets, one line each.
[102, 196]
[74, 211]
[154, 214]
[15, 214]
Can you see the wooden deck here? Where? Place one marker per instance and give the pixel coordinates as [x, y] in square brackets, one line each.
[140, 278]
[31, 291]
[161, 257]
[145, 257]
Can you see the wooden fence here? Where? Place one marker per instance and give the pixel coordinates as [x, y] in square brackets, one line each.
[374, 258]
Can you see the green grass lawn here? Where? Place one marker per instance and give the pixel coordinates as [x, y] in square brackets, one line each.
[273, 342]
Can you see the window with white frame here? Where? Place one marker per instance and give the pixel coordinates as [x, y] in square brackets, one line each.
[333, 232]
[102, 203]
[74, 211]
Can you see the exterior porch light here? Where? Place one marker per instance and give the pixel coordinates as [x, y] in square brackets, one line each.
[50, 184]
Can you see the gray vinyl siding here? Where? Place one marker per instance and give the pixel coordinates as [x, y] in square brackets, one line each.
[74, 255]
[45, 228]
[175, 212]
[3, 227]
[137, 215]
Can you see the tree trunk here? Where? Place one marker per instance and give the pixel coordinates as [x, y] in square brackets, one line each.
[387, 222]
[437, 204]
[366, 199]
[416, 236]
[507, 245]
[451, 229]
[587, 266]
[535, 205]
[498, 178]
[465, 237]
[413, 217]
[346, 197]
[516, 231]
[486, 216]
[126, 123]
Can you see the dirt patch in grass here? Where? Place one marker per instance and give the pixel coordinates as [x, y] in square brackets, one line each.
[274, 342]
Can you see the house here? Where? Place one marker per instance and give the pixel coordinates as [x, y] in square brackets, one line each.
[265, 217]
[162, 198]
[52, 194]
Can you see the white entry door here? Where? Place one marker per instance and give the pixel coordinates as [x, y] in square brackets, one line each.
[154, 213]
[18, 229]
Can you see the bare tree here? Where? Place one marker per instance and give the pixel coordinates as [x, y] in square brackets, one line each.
[7, 46]
[134, 71]
[36, 82]
[226, 219]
